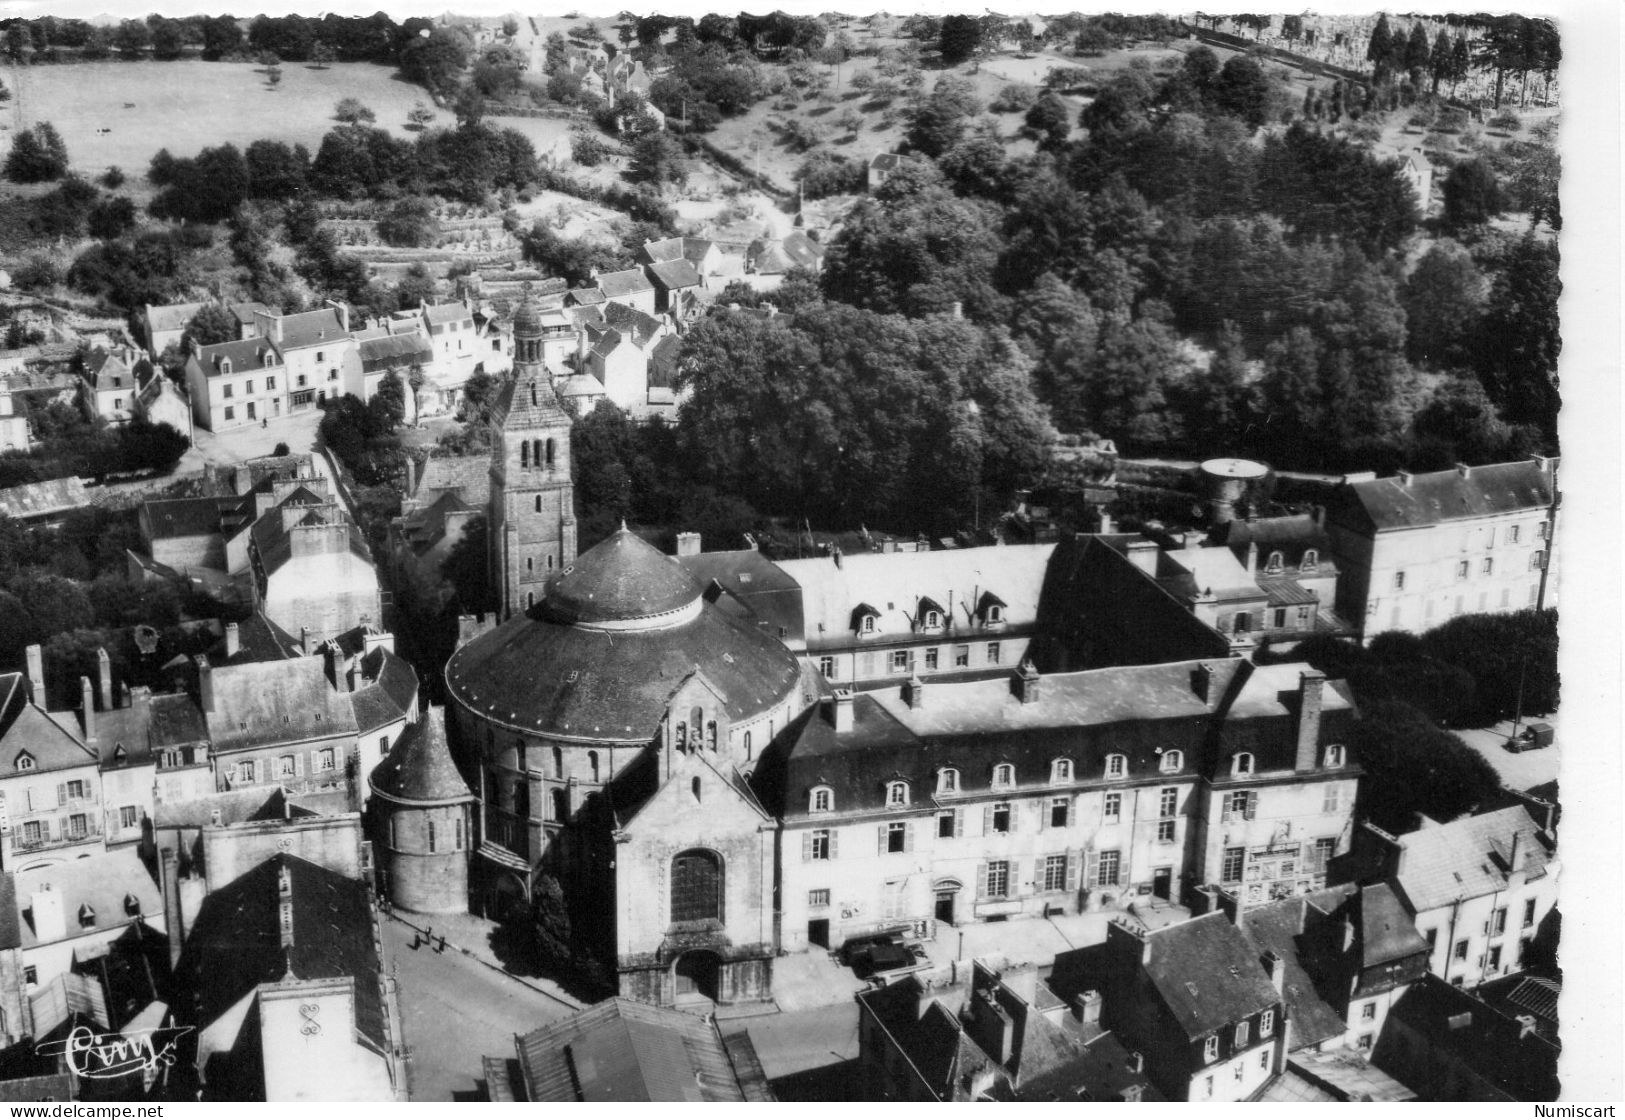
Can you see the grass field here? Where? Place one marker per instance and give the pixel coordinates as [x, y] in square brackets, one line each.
[187, 106]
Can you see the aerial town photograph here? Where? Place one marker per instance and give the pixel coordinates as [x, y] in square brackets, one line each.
[624, 557]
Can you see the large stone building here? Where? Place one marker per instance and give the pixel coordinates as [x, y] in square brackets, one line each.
[424, 817]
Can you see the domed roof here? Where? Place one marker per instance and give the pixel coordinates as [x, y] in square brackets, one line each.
[419, 766]
[619, 580]
[527, 320]
[573, 667]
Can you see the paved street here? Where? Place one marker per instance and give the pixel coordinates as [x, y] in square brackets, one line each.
[1527, 769]
[298, 431]
[455, 1010]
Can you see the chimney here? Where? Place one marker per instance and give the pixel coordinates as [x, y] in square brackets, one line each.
[337, 674]
[688, 544]
[914, 693]
[304, 641]
[205, 684]
[36, 675]
[50, 923]
[1405, 478]
[1464, 470]
[104, 679]
[1202, 684]
[1252, 557]
[1311, 693]
[1143, 555]
[1086, 1006]
[1106, 525]
[138, 699]
[1526, 1026]
[234, 641]
[1319, 512]
[1515, 854]
[342, 310]
[87, 698]
[170, 884]
[1136, 1062]
[841, 711]
[1275, 969]
[1026, 681]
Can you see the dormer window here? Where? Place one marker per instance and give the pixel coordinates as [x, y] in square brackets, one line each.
[25, 761]
[1334, 756]
[929, 615]
[1116, 766]
[896, 793]
[1060, 770]
[1241, 764]
[1004, 776]
[991, 609]
[87, 915]
[948, 781]
[225, 367]
[823, 800]
[864, 618]
[1274, 564]
[1310, 561]
[1172, 760]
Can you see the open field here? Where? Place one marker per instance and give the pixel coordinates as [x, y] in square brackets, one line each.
[187, 106]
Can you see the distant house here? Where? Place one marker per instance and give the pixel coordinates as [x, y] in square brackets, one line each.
[676, 284]
[43, 503]
[630, 286]
[382, 353]
[1290, 559]
[705, 255]
[70, 910]
[312, 570]
[768, 259]
[880, 169]
[235, 384]
[1418, 172]
[453, 342]
[625, 1051]
[165, 324]
[161, 401]
[615, 362]
[1451, 1046]
[15, 431]
[50, 785]
[109, 387]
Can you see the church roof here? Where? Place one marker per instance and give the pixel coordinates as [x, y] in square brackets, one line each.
[528, 401]
[527, 320]
[621, 578]
[419, 766]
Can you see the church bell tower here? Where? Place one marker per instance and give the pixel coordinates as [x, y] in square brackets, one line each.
[532, 521]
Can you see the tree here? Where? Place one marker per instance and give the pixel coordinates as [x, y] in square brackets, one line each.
[37, 155]
[273, 76]
[1242, 90]
[1417, 52]
[1521, 340]
[1412, 766]
[409, 223]
[419, 117]
[323, 54]
[1472, 194]
[112, 217]
[436, 60]
[960, 37]
[1051, 120]
[1379, 48]
[938, 122]
[213, 324]
[1443, 299]
[222, 36]
[387, 408]
[657, 159]
[1292, 28]
[275, 170]
[132, 38]
[168, 38]
[351, 111]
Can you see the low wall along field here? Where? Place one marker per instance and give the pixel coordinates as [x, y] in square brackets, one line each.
[190, 105]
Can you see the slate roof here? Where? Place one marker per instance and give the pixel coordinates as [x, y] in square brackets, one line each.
[386, 692]
[190, 517]
[627, 282]
[537, 672]
[1467, 858]
[768, 256]
[1279, 927]
[637, 325]
[663, 363]
[622, 1050]
[244, 311]
[243, 354]
[468, 476]
[527, 402]
[1390, 503]
[50, 741]
[103, 882]
[270, 702]
[1387, 933]
[393, 351]
[312, 328]
[419, 768]
[157, 385]
[106, 371]
[1290, 535]
[802, 250]
[765, 588]
[272, 539]
[894, 583]
[171, 316]
[1449, 1021]
[1217, 571]
[622, 577]
[1207, 975]
[176, 720]
[694, 249]
[235, 944]
[439, 314]
[41, 499]
[1284, 591]
[672, 275]
[586, 297]
[258, 639]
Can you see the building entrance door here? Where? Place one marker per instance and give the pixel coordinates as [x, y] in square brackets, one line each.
[696, 976]
[818, 932]
[1162, 882]
[945, 906]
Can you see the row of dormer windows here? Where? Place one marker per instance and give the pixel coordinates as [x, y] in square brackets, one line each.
[1003, 776]
[929, 615]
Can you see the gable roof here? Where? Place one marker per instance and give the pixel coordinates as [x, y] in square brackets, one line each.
[1468, 858]
[439, 314]
[622, 1050]
[627, 282]
[639, 326]
[104, 882]
[41, 499]
[663, 363]
[393, 350]
[264, 703]
[170, 316]
[1453, 495]
[1207, 975]
[311, 328]
[236, 943]
[1278, 927]
[43, 736]
[802, 250]
[679, 273]
[245, 355]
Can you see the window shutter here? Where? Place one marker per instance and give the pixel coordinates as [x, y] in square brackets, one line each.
[299, 764]
[1038, 875]
[880, 834]
[987, 820]
[1091, 868]
[908, 837]
[959, 822]
[1072, 871]
[1043, 813]
[62, 793]
[62, 828]
[834, 843]
[1015, 814]
[806, 847]
[981, 880]
[1252, 805]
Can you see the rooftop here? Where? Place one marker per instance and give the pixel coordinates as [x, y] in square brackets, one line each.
[1207, 974]
[100, 892]
[419, 768]
[1469, 858]
[1409, 501]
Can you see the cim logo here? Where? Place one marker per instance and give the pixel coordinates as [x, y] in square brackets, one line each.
[146, 1052]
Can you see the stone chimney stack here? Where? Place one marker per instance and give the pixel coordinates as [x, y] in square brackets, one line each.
[1202, 684]
[36, 675]
[87, 699]
[914, 693]
[205, 684]
[169, 881]
[688, 544]
[234, 641]
[841, 711]
[1143, 555]
[1311, 695]
[104, 679]
[50, 920]
[1086, 1006]
[1275, 969]
[1027, 681]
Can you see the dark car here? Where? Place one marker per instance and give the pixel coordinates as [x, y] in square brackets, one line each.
[1533, 737]
[876, 953]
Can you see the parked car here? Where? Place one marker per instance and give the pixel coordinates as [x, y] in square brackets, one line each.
[1531, 738]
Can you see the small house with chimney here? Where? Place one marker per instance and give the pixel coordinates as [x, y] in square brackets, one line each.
[50, 785]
